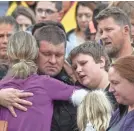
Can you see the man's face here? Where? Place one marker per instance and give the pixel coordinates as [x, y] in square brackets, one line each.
[5, 31]
[112, 36]
[51, 58]
[46, 10]
[87, 71]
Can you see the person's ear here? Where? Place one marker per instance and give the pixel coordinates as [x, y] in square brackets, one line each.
[126, 29]
[60, 15]
[102, 62]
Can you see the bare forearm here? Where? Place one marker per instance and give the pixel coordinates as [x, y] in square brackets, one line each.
[11, 98]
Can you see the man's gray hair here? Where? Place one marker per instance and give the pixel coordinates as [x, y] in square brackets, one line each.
[117, 14]
[93, 49]
[11, 21]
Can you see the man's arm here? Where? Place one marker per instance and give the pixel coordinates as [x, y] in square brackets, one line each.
[11, 98]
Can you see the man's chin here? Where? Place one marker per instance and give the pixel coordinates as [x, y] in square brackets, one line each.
[52, 74]
[3, 56]
[40, 21]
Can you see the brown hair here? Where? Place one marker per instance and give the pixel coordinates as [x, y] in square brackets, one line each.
[58, 5]
[127, 7]
[119, 16]
[21, 10]
[49, 31]
[90, 4]
[93, 49]
[125, 67]
[9, 20]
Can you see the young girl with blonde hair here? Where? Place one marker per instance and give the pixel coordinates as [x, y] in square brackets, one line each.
[94, 112]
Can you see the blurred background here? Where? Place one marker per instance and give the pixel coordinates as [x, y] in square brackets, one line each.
[3, 7]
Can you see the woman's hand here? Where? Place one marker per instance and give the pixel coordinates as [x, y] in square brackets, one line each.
[11, 98]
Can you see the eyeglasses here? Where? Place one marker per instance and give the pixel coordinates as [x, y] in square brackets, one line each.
[47, 11]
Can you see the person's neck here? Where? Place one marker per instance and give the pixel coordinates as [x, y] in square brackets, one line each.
[80, 34]
[126, 50]
[104, 81]
[130, 108]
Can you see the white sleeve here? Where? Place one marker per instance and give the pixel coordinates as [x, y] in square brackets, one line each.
[89, 127]
[78, 96]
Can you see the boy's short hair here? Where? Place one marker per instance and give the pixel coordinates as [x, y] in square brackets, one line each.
[93, 49]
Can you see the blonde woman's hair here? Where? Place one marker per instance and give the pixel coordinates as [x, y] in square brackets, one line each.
[22, 51]
[95, 109]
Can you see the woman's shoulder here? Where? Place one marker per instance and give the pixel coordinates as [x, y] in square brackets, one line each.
[115, 114]
[71, 34]
[128, 124]
[42, 78]
[38, 78]
[35, 76]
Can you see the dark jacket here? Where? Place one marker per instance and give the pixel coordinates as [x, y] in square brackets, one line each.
[64, 115]
[3, 68]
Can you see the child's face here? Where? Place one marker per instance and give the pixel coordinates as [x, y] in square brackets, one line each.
[87, 71]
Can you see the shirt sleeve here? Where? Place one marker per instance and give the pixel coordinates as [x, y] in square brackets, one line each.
[78, 96]
[58, 90]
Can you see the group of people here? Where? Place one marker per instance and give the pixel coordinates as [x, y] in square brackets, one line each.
[39, 91]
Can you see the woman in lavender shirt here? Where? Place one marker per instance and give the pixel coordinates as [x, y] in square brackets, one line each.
[23, 51]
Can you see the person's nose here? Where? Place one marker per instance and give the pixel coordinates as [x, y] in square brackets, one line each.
[24, 27]
[52, 59]
[111, 89]
[5, 40]
[78, 69]
[43, 14]
[83, 19]
[103, 35]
